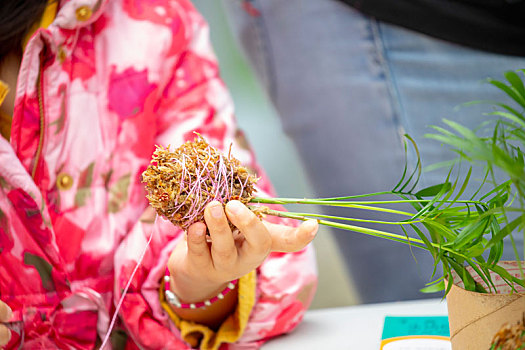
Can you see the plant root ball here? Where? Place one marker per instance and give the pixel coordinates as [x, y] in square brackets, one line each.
[181, 183]
[510, 337]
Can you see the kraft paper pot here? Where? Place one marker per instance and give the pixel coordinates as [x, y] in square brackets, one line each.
[474, 318]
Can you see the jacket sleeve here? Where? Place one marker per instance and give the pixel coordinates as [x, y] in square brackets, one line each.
[194, 99]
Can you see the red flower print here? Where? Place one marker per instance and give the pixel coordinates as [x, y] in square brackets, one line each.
[287, 320]
[128, 91]
[29, 213]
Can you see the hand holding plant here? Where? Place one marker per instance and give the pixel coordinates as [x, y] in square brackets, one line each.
[230, 255]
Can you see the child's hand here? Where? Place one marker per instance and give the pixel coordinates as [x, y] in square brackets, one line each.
[200, 269]
[5, 316]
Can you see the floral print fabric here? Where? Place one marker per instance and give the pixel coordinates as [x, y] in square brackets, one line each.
[97, 89]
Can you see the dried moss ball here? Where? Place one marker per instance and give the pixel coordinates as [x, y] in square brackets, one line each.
[181, 183]
[510, 337]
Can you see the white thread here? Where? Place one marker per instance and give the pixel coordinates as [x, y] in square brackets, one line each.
[115, 315]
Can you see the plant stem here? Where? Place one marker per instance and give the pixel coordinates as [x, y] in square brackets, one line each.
[358, 229]
[517, 254]
[368, 231]
[328, 203]
[313, 215]
[331, 201]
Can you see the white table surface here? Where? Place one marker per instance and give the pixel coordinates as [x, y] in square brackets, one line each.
[353, 327]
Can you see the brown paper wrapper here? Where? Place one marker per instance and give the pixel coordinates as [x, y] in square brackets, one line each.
[475, 318]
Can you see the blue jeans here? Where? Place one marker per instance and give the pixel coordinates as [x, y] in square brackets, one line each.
[347, 88]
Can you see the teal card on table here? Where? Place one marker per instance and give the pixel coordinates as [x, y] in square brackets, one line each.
[415, 333]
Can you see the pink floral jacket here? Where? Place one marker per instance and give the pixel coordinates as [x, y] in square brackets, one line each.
[97, 89]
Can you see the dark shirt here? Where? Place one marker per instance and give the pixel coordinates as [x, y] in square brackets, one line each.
[491, 25]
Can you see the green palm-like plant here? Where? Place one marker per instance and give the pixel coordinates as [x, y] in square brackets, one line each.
[459, 232]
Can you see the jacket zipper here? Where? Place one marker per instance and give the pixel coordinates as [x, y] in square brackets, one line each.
[42, 124]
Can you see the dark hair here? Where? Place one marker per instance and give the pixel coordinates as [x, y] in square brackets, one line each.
[16, 18]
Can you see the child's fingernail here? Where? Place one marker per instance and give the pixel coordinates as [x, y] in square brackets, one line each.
[235, 207]
[201, 231]
[311, 227]
[9, 312]
[216, 210]
[197, 231]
